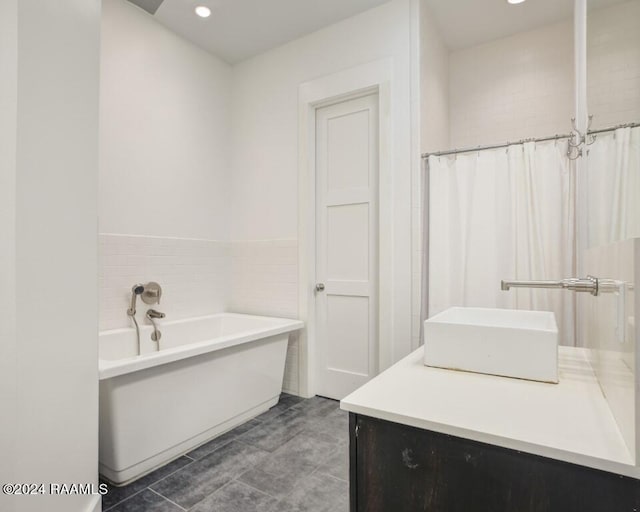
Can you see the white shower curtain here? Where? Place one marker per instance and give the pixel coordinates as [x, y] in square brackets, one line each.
[502, 214]
[613, 187]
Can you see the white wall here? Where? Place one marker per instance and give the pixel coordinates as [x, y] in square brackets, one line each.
[164, 168]
[49, 163]
[265, 134]
[522, 86]
[164, 131]
[265, 112]
[434, 82]
[9, 427]
[512, 88]
[613, 67]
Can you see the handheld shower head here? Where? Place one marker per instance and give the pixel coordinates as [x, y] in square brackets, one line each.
[137, 289]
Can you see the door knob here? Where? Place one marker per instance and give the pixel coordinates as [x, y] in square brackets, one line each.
[320, 287]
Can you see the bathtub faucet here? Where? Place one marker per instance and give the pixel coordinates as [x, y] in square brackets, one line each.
[150, 293]
[152, 315]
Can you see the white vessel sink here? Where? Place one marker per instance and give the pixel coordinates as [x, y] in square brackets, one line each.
[506, 342]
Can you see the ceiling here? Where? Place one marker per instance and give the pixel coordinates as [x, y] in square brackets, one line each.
[469, 22]
[239, 29]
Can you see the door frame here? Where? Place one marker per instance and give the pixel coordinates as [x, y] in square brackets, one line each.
[374, 77]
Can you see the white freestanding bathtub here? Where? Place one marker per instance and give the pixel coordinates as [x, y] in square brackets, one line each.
[210, 374]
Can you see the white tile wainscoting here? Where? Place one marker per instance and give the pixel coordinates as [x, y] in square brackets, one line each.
[201, 277]
[194, 275]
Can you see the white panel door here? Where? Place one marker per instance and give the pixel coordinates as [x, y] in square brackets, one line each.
[346, 245]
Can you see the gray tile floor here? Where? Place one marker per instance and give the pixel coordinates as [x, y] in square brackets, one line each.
[292, 458]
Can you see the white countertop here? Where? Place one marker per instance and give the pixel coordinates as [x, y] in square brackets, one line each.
[569, 421]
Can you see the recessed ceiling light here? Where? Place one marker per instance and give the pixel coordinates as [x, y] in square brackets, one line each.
[515, 1]
[203, 11]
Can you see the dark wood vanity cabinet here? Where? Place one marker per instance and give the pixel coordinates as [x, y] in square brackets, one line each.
[397, 468]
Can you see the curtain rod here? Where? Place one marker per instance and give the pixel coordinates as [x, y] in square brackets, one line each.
[522, 141]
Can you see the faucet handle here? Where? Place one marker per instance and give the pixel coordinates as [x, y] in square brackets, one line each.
[152, 293]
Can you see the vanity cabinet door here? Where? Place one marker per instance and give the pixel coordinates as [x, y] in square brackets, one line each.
[396, 468]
